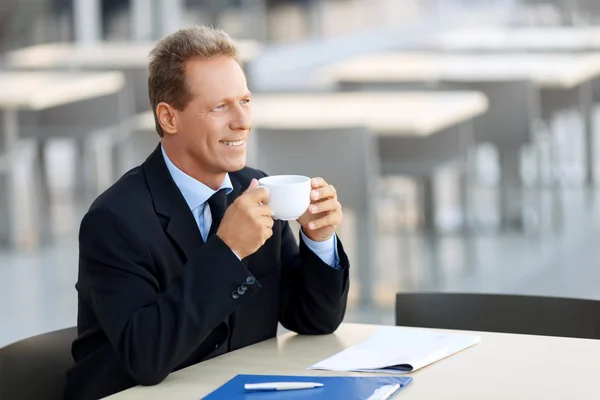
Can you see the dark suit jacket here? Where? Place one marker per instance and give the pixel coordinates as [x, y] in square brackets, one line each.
[154, 298]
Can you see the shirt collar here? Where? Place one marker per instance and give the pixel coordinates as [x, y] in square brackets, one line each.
[194, 192]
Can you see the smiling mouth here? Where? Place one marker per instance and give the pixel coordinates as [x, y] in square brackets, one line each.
[232, 144]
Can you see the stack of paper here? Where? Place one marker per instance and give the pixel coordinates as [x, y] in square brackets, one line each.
[397, 350]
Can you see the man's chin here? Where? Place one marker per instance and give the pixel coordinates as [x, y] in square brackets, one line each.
[236, 166]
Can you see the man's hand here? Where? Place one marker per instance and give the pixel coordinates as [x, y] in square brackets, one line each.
[247, 223]
[324, 213]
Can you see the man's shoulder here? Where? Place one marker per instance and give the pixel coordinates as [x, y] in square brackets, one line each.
[127, 196]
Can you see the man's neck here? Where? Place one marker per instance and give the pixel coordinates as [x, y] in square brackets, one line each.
[188, 165]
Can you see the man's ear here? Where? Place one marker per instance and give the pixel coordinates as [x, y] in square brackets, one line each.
[167, 118]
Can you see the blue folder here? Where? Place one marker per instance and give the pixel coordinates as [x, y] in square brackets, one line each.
[347, 388]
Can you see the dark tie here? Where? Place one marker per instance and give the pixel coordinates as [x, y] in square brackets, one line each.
[218, 204]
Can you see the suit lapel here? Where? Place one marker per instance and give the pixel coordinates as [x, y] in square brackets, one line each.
[168, 201]
[182, 229]
[236, 191]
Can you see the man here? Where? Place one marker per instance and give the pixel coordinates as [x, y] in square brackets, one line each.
[180, 260]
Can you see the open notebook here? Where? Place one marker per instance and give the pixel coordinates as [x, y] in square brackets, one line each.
[397, 350]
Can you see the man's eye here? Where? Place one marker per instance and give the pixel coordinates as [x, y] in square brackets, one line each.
[245, 101]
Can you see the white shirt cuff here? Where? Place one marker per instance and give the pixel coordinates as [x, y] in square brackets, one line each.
[326, 250]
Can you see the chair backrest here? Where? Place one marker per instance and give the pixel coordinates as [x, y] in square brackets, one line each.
[36, 367]
[547, 316]
[345, 157]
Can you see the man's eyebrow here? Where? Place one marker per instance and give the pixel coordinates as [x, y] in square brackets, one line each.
[232, 99]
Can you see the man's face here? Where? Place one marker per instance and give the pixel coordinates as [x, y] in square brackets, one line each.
[214, 126]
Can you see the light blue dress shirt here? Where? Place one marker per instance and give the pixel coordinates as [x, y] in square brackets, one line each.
[196, 195]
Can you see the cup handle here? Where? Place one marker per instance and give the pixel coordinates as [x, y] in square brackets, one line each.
[261, 203]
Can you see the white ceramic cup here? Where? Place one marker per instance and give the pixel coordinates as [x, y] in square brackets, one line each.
[289, 195]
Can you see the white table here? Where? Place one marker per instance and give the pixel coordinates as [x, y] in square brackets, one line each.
[412, 114]
[501, 366]
[47, 104]
[547, 71]
[351, 138]
[101, 55]
[131, 58]
[42, 90]
[521, 88]
[510, 39]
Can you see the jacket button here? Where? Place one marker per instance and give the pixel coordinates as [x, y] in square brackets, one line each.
[244, 286]
[250, 280]
[235, 295]
[241, 291]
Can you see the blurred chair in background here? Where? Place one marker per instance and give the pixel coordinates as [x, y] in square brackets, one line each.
[553, 12]
[35, 368]
[589, 11]
[533, 315]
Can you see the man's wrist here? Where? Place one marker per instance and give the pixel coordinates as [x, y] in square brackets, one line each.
[305, 230]
[237, 254]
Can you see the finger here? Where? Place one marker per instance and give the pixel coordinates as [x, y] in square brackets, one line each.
[324, 192]
[258, 195]
[267, 221]
[253, 185]
[267, 233]
[264, 211]
[332, 219]
[317, 182]
[324, 206]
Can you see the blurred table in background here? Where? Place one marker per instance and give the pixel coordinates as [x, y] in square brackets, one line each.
[102, 55]
[580, 40]
[523, 90]
[45, 105]
[517, 39]
[583, 39]
[351, 138]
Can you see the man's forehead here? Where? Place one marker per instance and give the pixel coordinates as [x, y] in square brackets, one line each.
[213, 68]
[216, 78]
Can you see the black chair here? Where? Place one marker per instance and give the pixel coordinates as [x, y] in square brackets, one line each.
[35, 368]
[546, 316]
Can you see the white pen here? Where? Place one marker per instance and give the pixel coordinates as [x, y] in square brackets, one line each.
[270, 386]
